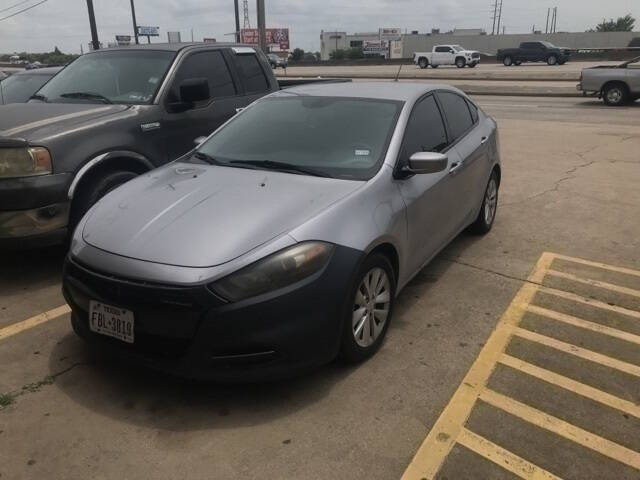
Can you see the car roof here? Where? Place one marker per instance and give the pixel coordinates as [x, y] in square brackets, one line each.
[173, 47]
[399, 91]
[40, 71]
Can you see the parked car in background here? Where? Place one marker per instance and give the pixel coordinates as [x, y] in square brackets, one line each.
[277, 61]
[109, 116]
[447, 55]
[617, 85]
[252, 258]
[19, 87]
[534, 52]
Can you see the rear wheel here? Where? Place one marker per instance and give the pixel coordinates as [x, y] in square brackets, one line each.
[460, 62]
[487, 214]
[615, 94]
[508, 61]
[423, 62]
[371, 301]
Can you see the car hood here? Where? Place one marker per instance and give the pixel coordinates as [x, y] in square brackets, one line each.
[202, 216]
[37, 120]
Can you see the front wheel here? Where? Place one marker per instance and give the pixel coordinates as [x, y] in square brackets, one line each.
[552, 60]
[460, 62]
[371, 305]
[487, 214]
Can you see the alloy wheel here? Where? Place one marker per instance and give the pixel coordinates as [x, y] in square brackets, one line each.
[490, 201]
[614, 95]
[371, 307]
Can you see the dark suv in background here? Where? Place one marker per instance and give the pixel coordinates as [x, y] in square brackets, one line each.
[109, 116]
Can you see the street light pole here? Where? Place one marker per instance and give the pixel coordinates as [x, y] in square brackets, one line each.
[262, 34]
[135, 24]
[92, 24]
[235, 4]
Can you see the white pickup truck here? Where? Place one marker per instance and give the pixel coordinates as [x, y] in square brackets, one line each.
[447, 55]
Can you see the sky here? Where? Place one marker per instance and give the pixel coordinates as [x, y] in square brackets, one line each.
[65, 24]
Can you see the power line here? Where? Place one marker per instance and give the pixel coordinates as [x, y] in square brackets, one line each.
[23, 10]
[14, 6]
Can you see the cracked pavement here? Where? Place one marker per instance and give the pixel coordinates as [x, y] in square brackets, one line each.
[570, 184]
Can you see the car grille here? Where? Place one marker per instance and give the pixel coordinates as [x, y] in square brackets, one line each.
[475, 55]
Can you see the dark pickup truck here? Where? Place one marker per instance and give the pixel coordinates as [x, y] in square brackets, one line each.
[534, 52]
[108, 117]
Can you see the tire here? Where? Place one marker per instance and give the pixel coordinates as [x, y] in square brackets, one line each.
[552, 60]
[508, 61]
[93, 192]
[358, 343]
[460, 62]
[434, 66]
[423, 62]
[615, 94]
[487, 215]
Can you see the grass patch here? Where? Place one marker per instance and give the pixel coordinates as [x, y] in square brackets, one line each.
[6, 399]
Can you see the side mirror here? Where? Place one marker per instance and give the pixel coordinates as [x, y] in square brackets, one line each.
[194, 90]
[426, 162]
[199, 140]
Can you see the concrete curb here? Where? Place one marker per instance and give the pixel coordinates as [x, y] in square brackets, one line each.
[566, 77]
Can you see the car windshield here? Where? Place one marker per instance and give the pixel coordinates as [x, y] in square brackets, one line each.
[331, 136]
[548, 45]
[121, 76]
[18, 88]
[457, 48]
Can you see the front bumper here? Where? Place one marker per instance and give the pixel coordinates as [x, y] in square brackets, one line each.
[190, 332]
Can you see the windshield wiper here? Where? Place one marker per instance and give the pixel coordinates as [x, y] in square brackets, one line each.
[282, 167]
[87, 96]
[206, 158]
[38, 96]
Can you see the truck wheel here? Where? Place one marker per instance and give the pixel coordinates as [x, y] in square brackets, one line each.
[460, 62]
[552, 60]
[508, 61]
[94, 191]
[615, 94]
[423, 62]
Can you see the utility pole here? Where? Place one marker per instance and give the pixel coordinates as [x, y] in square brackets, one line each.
[500, 18]
[235, 5]
[245, 8]
[262, 34]
[135, 24]
[92, 24]
[553, 19]
[546, 29]
[495, 17]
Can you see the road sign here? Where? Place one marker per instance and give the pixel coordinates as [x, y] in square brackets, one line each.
[390, 33]
[148, 31]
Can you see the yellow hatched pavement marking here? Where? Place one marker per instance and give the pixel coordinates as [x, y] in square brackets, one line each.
[588, 301]
[579, 322]
[571, 385]
[562, 428]
[590, 355]
[604, 266]
[500, 456]
[595, 283]
[445, 432]
[16, 328]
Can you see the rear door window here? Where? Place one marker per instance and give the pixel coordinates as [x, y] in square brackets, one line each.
[425, 130]
[457, 113]
[474, 111]
[443, 49]
[251, 73]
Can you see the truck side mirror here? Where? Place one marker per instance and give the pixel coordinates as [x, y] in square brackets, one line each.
[194, 90]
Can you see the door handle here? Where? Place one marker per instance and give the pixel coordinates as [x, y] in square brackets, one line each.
[455, 166]
[483, 140]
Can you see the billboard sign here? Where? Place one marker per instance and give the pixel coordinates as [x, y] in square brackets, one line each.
[275, 36]
[376, 47]
[148, 31]
[390, 33]
[123, 40]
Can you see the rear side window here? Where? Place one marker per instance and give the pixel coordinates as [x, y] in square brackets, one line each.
[425, 131]
[252, 74]
[209, 65]
[474, 111]
[442, 49]
[457, 113]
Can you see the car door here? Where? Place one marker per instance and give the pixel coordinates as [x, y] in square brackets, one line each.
[181, 128]
[469, 139]
[441, 55]
[433, 210]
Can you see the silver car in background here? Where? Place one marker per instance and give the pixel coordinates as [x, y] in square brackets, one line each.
[283, 240]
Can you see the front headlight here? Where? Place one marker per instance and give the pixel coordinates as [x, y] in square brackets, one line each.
[24, 162]
[278, 270]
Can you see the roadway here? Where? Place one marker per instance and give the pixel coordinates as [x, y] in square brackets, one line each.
[552, 392]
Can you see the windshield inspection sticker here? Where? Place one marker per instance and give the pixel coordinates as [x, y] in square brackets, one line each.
[362, 152]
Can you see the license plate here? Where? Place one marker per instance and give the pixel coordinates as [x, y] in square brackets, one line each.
[111, 321]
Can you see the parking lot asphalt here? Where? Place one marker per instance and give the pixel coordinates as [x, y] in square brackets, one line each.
[513, 355]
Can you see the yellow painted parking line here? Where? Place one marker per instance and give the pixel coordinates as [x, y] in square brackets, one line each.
[583, 353]
[589, 301]
[562, 428]
[500, 456]
[604, 266]
[34, 321]
[579, 322]
[571, 385]
[445, 432]
[595, 283]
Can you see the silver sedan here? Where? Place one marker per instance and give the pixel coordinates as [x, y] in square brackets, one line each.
[283, 240]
